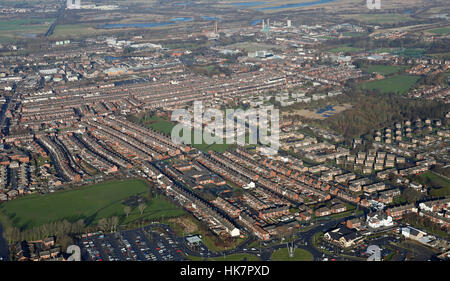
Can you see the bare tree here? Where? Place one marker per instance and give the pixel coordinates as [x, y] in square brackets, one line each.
[142, 207]
[12, 234]
[103, 224]
[46, 230]
[79, 226]
[127, 210]
[114, 223]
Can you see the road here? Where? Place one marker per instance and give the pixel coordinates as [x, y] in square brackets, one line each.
[52, 27]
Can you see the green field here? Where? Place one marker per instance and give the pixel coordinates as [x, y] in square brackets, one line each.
[164, 126]
[379, 18]
[89, 203]
[70, 30]
[440, 31]
[237, 257]
[383, 69]
[405, 52]
[299, 255]
[160, 124]
[233, 257]
[20, 28]
[396, 84]
[354, 34]
[345, 49]
[28, 24]
[439, 186]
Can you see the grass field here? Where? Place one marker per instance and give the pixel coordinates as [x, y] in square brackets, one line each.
[164, 126]
[440, 31]
[379, 18]
[405, 52]
[23, 28]
[383, 69]
[160, 124]
[71, 30]
[354, 34]
[299, 255]
[27, 24]
[89, 203]
[439, 185]
[234, 257]
[396, 84]
[344, 49]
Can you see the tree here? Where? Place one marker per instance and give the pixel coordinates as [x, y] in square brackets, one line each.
[103, 224]
[142, 207]
[79, 226]
[12, 234]
[114, 223]
[151, 192]
[64, 240]
[127, 210]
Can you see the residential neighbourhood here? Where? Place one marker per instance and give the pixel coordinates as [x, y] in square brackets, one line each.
[353, 155]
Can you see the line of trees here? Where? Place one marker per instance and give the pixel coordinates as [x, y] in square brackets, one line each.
[109, 224]
[63, 230]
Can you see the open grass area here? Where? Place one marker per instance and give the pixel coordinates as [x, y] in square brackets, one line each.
[234, 257]
[13, 29]
[354, 34]
[440, 31]
[160, 124]
[164, 126]
[405, 52]
[89, 203]
[299, 255]
[345, 49]
[71, 30]
[383, 69]
[237, 257]
[396, 84]
[26, 24]
[379, 18]
[439, 186]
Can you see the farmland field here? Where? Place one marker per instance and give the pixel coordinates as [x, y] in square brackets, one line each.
[89, 203]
